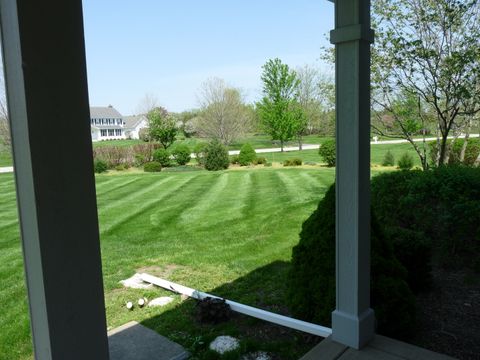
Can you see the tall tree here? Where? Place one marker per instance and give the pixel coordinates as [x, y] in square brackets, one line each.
[224, 115]
[161, 126]
[429, 50]
[316, 95]
[280, 111]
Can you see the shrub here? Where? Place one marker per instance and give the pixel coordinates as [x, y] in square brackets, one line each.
[405, 162]
[144, 152]
[100, 166]
[328, 152]
[260, 161]
[216, 156]
[162, 156]
[234, 159]
[152, 166]
[120, 167]
[292, 162]
[388, 159]
[181, 154]
[199, 151]
[439, 208]
[247, 155]
[311, 282]
[113, 155]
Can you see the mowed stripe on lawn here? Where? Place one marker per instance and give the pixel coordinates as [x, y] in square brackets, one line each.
[216, 226]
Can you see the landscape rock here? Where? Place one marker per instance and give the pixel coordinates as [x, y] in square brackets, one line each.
[223, 344]
[161, 301]
[135, 282]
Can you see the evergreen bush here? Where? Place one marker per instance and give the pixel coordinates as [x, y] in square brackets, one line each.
[162, 156]
[216, 156]
[100, 166]
[247, 155]
[311, 280]
[388, 159]
[327, 152]
[181, 154]
[405, 162]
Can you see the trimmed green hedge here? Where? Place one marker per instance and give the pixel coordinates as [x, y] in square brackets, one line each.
[312, 276]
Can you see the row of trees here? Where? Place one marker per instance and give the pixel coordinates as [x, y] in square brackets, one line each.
[294, 103]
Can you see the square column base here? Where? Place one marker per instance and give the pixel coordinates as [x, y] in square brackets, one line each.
[353, 331]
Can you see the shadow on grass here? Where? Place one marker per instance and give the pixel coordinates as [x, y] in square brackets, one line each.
[264, 288]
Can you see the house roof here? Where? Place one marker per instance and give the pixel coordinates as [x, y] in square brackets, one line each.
[133, 120]
[104, 112]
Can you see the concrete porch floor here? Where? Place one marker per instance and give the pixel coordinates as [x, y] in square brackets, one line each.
[381, 348]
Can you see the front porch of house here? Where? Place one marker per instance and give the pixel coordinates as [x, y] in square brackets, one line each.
[44, 62]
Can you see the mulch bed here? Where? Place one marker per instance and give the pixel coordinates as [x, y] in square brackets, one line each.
[448, 316]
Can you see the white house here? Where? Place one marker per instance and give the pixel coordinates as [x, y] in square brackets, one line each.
[106, 123]
[133, 124]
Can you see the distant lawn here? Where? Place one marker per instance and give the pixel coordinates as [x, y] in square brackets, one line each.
[377, 154]
[227, 232]
[121, 143]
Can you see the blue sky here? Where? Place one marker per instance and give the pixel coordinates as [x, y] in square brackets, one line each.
[168, 48]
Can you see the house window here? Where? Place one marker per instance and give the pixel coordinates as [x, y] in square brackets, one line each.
[118, 132]
[111, 132]
[103, 132]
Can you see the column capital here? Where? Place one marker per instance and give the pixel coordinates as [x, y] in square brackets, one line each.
[357, 32]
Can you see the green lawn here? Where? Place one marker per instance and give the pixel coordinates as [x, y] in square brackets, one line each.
[230, 233]
[377, 154]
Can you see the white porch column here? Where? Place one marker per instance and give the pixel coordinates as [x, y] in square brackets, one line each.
[45, 72]
[353, 320]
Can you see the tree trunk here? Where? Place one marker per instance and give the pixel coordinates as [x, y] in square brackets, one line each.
[465, 143]
[281, 145]
[300, 143]
[442, 157]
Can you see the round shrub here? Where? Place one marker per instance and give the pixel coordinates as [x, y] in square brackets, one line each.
[199, 151]
[100, 166]
[311, 282]
[152, 166]
[216, 156]
[297, 162]
[181, 154]
[162, 156]
[234, 159]
[388, 159]
[247, 155]
[328, 152]
[405, 162]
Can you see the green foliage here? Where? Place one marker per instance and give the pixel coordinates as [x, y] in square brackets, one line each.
[247, 155]
[293, 162]
[327, 152]
[216, 156]
[152, 166]
[312, 276]
[279, 110]
[405, 162]
[234, 159]
[162, 127]
[100, 166]
[472, 152]
[181, 154]
[388, 159]
[199, 151]
[260, 160]
[438, 210]
[162, 156]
